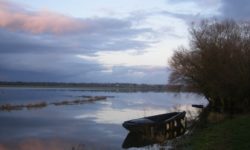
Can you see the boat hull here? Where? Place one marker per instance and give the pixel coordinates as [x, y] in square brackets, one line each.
[168, 121]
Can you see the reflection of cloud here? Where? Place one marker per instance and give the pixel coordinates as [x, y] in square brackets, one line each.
[2, 147]
[37, 144]
[141, 105]
[110, 115]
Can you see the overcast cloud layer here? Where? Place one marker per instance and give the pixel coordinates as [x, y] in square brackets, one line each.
[45, 45]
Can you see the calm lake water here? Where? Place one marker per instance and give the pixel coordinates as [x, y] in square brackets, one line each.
[93, 125]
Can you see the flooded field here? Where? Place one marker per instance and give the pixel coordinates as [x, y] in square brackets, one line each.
[84, 125]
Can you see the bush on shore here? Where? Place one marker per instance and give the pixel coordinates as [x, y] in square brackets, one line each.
[217, 64]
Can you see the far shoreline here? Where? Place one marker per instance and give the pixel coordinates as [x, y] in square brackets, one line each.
[116, 87]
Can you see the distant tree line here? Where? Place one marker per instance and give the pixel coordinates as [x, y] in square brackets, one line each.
[217, 64]
[125, 87]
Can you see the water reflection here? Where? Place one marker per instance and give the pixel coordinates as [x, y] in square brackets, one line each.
[160, 137]
[93, 125]
[37, 144]
[51, 144]
[110, 115]
[88, 99]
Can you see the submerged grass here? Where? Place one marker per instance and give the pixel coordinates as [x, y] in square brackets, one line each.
[10, 107]
[80, 101]
[230, 134]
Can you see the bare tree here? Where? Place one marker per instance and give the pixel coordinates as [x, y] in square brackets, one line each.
[217, 63]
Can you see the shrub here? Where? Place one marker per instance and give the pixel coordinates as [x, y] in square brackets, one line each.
[217, 63]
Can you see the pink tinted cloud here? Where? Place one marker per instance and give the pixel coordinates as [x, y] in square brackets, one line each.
[15, 18]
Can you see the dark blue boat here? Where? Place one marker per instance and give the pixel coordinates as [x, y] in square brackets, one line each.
[168, 121]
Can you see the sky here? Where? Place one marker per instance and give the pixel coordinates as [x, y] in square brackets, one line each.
[107, 41]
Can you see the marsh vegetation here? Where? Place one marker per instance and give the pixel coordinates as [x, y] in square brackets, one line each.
[88, 99]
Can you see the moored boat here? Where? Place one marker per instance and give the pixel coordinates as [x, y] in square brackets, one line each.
[168, 121]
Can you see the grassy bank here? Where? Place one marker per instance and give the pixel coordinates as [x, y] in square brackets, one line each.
[230, 134]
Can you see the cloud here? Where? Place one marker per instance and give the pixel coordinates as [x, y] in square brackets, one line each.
[193, 10]
[44, 45]
[39, 32]
[200, 3]
[22, 31]
[43, 66]
[73, 70]
[238, 10]
[16, 19]
[12, 42]
[131, 74]
[188, 18]
[70, 68]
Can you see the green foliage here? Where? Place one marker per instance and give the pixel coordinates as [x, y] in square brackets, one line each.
[217, 64]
